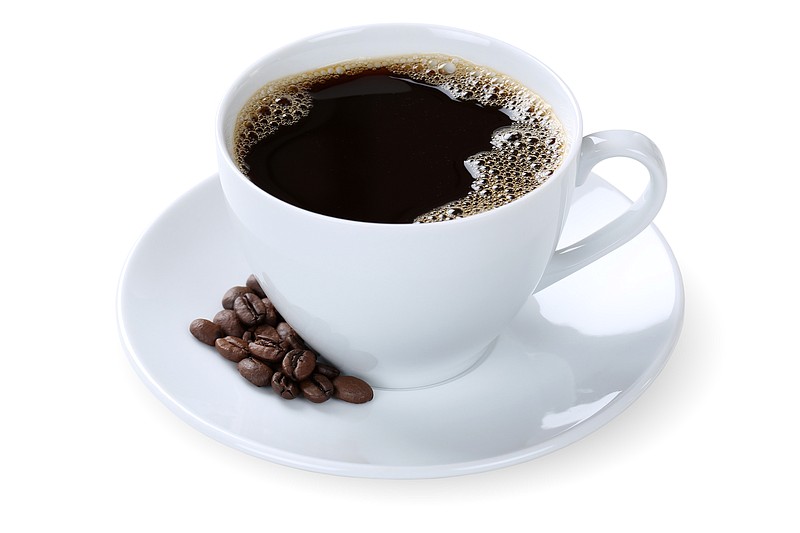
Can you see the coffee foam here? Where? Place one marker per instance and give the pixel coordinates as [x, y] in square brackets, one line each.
[522, 157]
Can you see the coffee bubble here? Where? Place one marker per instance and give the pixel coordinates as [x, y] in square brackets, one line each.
[522, 155]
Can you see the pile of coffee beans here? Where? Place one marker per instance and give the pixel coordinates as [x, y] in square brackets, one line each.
[250, 332]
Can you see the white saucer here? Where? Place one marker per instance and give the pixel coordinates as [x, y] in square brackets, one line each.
[575, 357]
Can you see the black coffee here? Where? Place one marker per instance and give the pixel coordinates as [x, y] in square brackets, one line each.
[398, 140]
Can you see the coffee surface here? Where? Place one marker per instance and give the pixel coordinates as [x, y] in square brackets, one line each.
[398, 140]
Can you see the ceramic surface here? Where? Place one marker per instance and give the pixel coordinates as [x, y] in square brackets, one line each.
[577, 354]
[408, 305]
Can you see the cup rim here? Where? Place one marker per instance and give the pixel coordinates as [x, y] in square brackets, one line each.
[573, 139]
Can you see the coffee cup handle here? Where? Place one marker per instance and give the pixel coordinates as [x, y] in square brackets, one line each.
[595, 148]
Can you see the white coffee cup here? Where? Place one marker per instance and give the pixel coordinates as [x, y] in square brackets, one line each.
[410, 305]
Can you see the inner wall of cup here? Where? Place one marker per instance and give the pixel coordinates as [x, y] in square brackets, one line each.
[399, 39]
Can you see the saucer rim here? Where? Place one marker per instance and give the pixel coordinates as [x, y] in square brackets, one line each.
[365, 470]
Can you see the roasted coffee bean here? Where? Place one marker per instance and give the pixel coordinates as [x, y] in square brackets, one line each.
[232, 348]
[230, 296]
[265, 331]
[286, 346]
[285, 386]
[230, 323]
[253, 284]
[290, 337]
[329, 371]
[317, 388]
[284, 330]
[352, 389]
[270, 313]
[294, 342]
[256, 372]
[206, 331]
[266, 350]
[251, 332]
[250, 309]
[299, 364]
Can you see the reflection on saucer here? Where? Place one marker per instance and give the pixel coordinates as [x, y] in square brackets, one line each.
[575, 356]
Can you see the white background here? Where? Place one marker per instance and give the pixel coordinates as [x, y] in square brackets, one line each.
[106, 116]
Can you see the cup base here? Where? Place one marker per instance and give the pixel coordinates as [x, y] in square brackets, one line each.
[482, 356]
